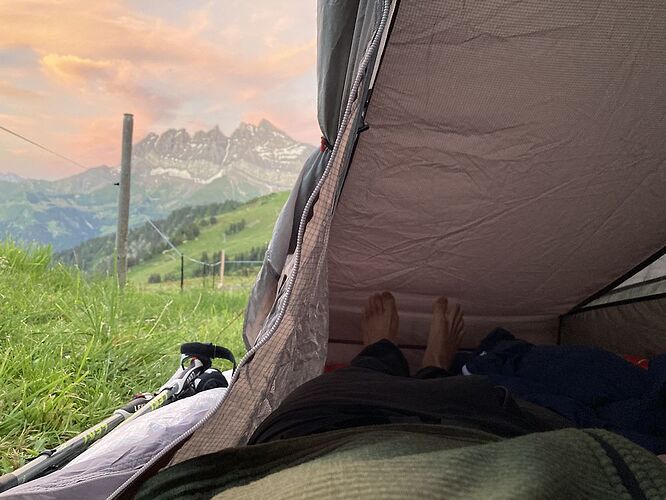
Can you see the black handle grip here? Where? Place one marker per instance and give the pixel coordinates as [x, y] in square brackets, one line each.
[210, 379]
[207, 352]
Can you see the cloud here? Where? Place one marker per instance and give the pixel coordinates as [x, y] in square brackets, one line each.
[98, 141]
[284, 63]
[73, 69]
[73, 66]
[169, 62]
[96, 76]
[11, 91]
[17, 121]
[20, 151]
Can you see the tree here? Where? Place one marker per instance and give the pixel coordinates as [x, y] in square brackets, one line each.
[235, 227]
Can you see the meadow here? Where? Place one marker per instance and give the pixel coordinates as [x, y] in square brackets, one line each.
[258, 216]
[74, 348]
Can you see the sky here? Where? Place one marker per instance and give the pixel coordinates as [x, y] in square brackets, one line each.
[69, 69]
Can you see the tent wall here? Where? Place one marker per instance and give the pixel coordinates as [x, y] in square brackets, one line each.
[515, 162]
[291, 346]
[636, 327]
[344, 32]
[295, 352]
[264, 291]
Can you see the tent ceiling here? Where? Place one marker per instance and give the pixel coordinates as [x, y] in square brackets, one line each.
[515, 161]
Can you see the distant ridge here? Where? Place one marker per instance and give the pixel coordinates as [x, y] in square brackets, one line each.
[169, 170]
[10, 177]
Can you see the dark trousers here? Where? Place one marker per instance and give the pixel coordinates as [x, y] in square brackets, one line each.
[386, 357]
[377, 389]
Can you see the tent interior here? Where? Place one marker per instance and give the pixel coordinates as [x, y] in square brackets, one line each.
[513, 161]
[507, 155]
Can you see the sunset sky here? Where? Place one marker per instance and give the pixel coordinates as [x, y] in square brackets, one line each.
[69, 69]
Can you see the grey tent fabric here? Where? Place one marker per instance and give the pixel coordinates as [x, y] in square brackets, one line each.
[336, 21]
[263, 294]
[649, 280]
[515, 162]
[635, 291]
[637, 327]
[290, 348]
[296, 350]
[344, 31]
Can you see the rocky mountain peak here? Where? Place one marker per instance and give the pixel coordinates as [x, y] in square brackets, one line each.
[264, 124]
[252, 151]
[212, 135]
[145, 145]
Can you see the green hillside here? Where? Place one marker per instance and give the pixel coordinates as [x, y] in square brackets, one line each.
[258, 218]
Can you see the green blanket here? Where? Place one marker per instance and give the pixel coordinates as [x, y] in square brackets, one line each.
[421, 461]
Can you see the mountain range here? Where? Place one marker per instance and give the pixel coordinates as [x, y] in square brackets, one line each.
[169, 171]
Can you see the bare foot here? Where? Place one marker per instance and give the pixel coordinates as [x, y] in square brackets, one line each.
[446, 332]
[380, 319]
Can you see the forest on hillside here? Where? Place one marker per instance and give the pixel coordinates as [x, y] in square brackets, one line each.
[183, 224]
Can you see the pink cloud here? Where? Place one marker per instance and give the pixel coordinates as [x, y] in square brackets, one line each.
[17, 121]
[206, 66]
[12, 91]
[74, 69]
[98, 141]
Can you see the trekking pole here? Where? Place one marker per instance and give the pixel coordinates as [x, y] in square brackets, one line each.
[52, 459]
[193, 375]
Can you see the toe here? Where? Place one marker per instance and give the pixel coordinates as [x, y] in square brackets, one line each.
[440, 306]
[388, 301]
[454, 312]
[379, 303]
[376, 303]
[368, 307]
[458, 315]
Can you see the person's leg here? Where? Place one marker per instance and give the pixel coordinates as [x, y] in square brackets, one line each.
[379, 326]
[383, 356]
[446, 332]
[377, 390]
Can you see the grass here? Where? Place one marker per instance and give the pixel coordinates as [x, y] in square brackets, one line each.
[259, 216]
[73, 349]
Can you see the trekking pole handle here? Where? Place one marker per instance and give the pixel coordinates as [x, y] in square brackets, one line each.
[184, 377]
[207, 352]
